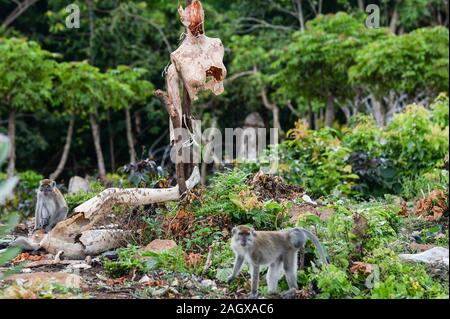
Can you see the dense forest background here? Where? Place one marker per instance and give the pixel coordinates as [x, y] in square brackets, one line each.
[363, 153]
[286, 59]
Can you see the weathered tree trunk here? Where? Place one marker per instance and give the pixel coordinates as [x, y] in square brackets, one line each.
[175, 119]
[65, 154]
[98, 148]
[130, 139]
[12, 143]
[329, 113]
[187, 124]
[111, 197]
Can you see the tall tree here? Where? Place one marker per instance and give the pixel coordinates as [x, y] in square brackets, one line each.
[25, 83]
[414, 64]
[315, 64]
[139, 90]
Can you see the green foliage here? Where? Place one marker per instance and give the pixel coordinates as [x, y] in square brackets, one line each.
[410, 63]
[419, 186]
[25, 75]
[29, 180]
[316, 62]
[414, 143]
[318, 162]
[402, 280]
[74, 200]
[171, 260]
[440, 111]
[334, 283]
[129, 259]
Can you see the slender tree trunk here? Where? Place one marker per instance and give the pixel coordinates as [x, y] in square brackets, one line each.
[379, 112]
[311, 119]
[301, 18]
[111, 142]
[361, 5]
[12, 142]
[272, 107]
[98, 148]
[187, 123]
[65, 154]
[91, 31]
[138, 123]
[130, 138]
[394, 18]
[329, 114]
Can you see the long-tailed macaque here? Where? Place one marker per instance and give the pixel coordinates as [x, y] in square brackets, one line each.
[51, 207]
[278, 249]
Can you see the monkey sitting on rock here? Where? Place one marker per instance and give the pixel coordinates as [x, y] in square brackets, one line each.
[51, 208]
[277, 249]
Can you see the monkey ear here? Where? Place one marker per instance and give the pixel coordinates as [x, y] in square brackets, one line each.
[253, 231]
[53, 184]
[234, 230]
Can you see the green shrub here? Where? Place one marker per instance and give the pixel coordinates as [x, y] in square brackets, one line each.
[74, 200]
[402, 280]
[419, 186]
[29, 180]
[440, 111]
[129, 259]
[413, 143]
[171, 260]
[317, 161]
[333, 283]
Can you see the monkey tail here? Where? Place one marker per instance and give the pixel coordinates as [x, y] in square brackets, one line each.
[26, 244]
[323, 255]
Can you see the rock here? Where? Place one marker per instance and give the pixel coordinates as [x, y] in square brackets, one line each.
[144, 279]
[420, 247]
[159, 245]
[66, 279]
[436, 255]
[78, 184]
[111, 255]
[208, 283]
[5, 242]
[308, 200]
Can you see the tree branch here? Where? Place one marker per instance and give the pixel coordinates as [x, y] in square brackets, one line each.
[18, 11]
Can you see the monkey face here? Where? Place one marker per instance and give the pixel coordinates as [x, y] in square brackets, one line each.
[244, 235]
[47, 186]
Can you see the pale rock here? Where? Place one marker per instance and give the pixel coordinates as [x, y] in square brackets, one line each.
[436, 255]
[159, 245]
[144, 279]
[78, 184]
